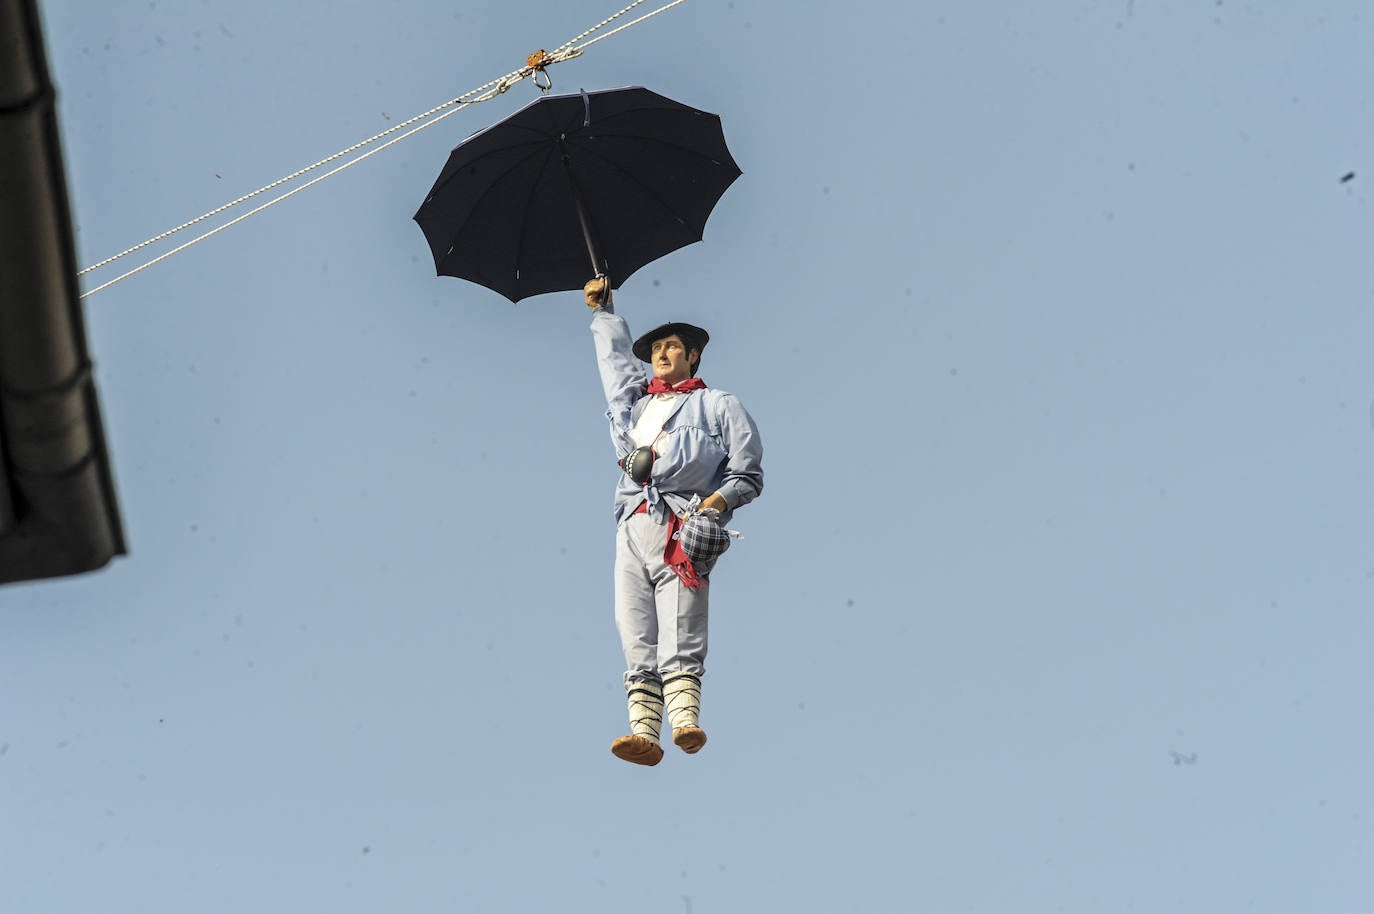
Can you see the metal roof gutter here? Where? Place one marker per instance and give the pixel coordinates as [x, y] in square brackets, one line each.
[58, 511]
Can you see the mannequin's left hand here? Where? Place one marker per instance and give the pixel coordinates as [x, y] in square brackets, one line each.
[714, 500]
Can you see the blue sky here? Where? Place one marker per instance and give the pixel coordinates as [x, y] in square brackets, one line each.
[1055, 319]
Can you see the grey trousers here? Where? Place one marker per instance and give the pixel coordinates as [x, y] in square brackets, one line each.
[662, 623]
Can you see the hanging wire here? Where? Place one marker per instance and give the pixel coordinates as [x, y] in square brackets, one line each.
[535, 67]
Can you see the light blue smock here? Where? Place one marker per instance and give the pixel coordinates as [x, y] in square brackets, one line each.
[710, 443]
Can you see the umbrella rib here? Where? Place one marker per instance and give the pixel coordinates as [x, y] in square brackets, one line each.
[640, 184]
[525, 221]
[491, 185]
[444, 182]
[678, 146]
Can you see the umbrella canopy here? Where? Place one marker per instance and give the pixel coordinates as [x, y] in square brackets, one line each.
[576, 185]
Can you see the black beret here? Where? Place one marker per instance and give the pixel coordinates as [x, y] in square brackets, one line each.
[694, 337]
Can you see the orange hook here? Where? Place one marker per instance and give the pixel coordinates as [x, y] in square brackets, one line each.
[538, 63]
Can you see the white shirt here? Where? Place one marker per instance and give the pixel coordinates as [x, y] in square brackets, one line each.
[650, 425]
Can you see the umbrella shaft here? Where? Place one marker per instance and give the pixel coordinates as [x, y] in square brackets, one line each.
[597, 267]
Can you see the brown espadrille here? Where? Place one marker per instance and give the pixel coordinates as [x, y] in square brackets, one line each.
[637, 749]
[689, 739]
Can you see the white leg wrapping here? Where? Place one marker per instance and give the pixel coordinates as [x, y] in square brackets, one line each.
[646, 709]
[682, 693]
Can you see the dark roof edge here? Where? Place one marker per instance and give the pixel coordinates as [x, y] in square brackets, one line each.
[59, 514]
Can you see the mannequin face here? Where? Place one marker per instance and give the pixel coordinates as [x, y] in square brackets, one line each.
[671, 360]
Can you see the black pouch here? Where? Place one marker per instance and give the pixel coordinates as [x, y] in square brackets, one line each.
[639, 464]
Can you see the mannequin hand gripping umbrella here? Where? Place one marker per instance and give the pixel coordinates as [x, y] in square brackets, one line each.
[613, 179]
[617, 179]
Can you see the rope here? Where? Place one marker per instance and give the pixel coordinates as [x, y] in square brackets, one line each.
[535, 66]
[462, 101]
[627, 25]
[274, 200]
[598, 27]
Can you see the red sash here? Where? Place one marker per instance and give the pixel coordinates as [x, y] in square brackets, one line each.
[673, 555]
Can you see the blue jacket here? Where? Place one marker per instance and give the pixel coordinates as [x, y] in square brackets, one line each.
[710, 444]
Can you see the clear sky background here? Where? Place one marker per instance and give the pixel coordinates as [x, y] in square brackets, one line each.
[1057, 322]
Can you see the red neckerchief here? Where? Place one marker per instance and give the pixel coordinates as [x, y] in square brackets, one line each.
[657, 386]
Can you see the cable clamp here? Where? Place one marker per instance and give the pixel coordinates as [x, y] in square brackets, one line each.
[538, 63]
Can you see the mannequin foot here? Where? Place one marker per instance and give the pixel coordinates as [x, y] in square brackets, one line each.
[689, 739]
[638, 749]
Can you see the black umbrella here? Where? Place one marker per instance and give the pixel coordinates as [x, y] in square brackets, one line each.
[615, 178]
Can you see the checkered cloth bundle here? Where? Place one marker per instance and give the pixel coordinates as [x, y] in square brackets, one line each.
[703, 538]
